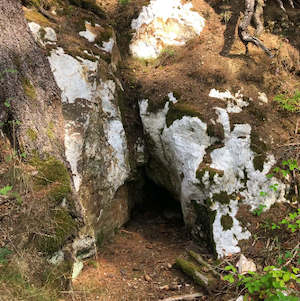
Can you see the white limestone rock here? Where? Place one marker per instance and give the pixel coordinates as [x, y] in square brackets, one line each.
[177, 153]
[90, 32]
[95, 141]
[163, 23]
[49, 35]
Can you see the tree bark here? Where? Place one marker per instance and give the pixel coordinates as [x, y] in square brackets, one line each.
[29, 96]
[244, 35]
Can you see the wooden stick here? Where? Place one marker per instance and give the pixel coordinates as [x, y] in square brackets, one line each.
[201, 261]
[128, 232]
[183, 297]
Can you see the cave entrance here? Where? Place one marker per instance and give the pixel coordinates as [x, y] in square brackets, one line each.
[157, 206]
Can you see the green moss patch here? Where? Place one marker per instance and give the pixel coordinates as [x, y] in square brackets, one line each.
[222, 197]
[63, 228]
[211, 172]
[260, 148]
[28, 88]
[178, 110]
[32, 134]
[258, 161]
[226, 222]
[52, 171]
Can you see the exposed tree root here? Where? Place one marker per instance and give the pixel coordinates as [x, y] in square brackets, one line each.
[253, 13]
[244, 35]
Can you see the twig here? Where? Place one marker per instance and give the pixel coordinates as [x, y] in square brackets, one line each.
[183, 297]
[96, 256]
[128, 232]
[297, 123]
[72, 292]
[295, 182]
[295, 252]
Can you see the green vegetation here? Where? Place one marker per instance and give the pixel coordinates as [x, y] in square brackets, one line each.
[5, 190]
[32, 134]
[291, 104]
[258, 211]
[222, 197]
[52, 172]
[260, 148]
[4, 252]
[64, 226]
[211, 172]
[268, 286]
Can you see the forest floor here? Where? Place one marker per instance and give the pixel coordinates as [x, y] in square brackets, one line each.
[137, 264]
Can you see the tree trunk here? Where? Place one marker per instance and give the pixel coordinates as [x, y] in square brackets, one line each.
[30, 106]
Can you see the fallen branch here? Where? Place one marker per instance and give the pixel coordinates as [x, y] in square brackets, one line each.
[201, 261]
[128, 232]
[206, 281]
[183, 297]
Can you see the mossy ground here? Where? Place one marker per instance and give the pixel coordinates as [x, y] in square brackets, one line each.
[34, 224]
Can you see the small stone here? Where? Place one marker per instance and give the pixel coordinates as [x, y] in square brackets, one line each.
[123, 273]
[148, 278]
[164, 287]
[169, 266]
[173, 287]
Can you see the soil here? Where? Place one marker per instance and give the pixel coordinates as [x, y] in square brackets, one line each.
[138, 263]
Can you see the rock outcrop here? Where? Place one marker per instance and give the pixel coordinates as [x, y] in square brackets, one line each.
[95, 142]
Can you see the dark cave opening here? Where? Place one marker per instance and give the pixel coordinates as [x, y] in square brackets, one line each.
[157, 202]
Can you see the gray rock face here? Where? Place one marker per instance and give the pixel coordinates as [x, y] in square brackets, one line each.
[95, 142]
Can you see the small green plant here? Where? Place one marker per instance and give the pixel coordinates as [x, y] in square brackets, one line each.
[258, 211]
[17, 197]
[4, 252]
[268, 286]
[291, 104]
[292, 222]
[5, 190]
[291, 164]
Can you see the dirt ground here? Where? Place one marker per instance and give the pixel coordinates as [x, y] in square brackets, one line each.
[138, 263]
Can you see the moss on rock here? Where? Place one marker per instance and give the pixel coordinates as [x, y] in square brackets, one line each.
[32, 134]
[178, 110]
[211, 172]
[64, 226]
[259, 148]
[52, 171]
[226, 222]
[221, 197]
[28, 88]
